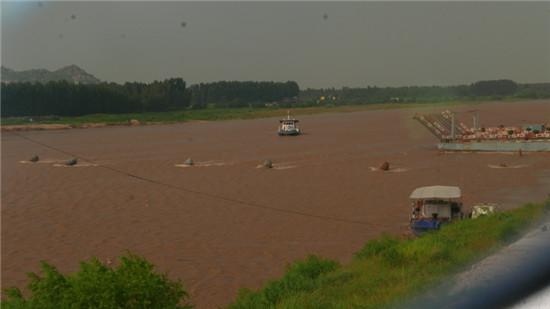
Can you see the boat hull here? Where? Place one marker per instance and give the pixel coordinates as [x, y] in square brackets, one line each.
[496, 146]
[419, 227]
[289, 133]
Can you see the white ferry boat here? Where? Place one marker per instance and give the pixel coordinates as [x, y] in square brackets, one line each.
[288, 126]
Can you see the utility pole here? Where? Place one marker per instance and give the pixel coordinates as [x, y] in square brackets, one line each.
[475, 118]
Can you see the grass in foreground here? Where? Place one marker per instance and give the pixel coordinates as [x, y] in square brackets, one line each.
[389, 270]
[211, 114]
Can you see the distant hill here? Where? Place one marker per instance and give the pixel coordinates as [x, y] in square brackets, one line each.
[71, 73]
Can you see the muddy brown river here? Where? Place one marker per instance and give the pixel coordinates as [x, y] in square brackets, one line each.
[212, 225]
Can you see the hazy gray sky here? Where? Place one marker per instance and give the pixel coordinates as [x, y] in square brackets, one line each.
[357, 44]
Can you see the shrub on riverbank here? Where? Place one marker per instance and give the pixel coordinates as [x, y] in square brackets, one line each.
[388, 270]
[132, 284]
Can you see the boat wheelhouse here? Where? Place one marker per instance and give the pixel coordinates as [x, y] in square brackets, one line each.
[288, 126]
[433, 206]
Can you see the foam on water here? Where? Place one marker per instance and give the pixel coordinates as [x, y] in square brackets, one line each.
[391, 170]
[280, 166]
[204, 164]
[76, 165]
[283, 167]
[41, 161]
[508, 166]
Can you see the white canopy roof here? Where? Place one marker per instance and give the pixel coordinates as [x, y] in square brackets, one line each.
[439, 192]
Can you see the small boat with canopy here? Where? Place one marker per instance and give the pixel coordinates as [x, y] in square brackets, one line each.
[433, 206]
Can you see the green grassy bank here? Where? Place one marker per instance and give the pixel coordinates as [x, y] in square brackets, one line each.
[389, 270]
[211, 114]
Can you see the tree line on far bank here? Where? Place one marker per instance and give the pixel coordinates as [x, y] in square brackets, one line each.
[65, 99]
[482, 90]
[62, 98]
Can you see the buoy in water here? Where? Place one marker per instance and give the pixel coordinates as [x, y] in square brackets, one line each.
[72, 162]
[385, 166]
[34, 159]
[268, 164]
[189, 162]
